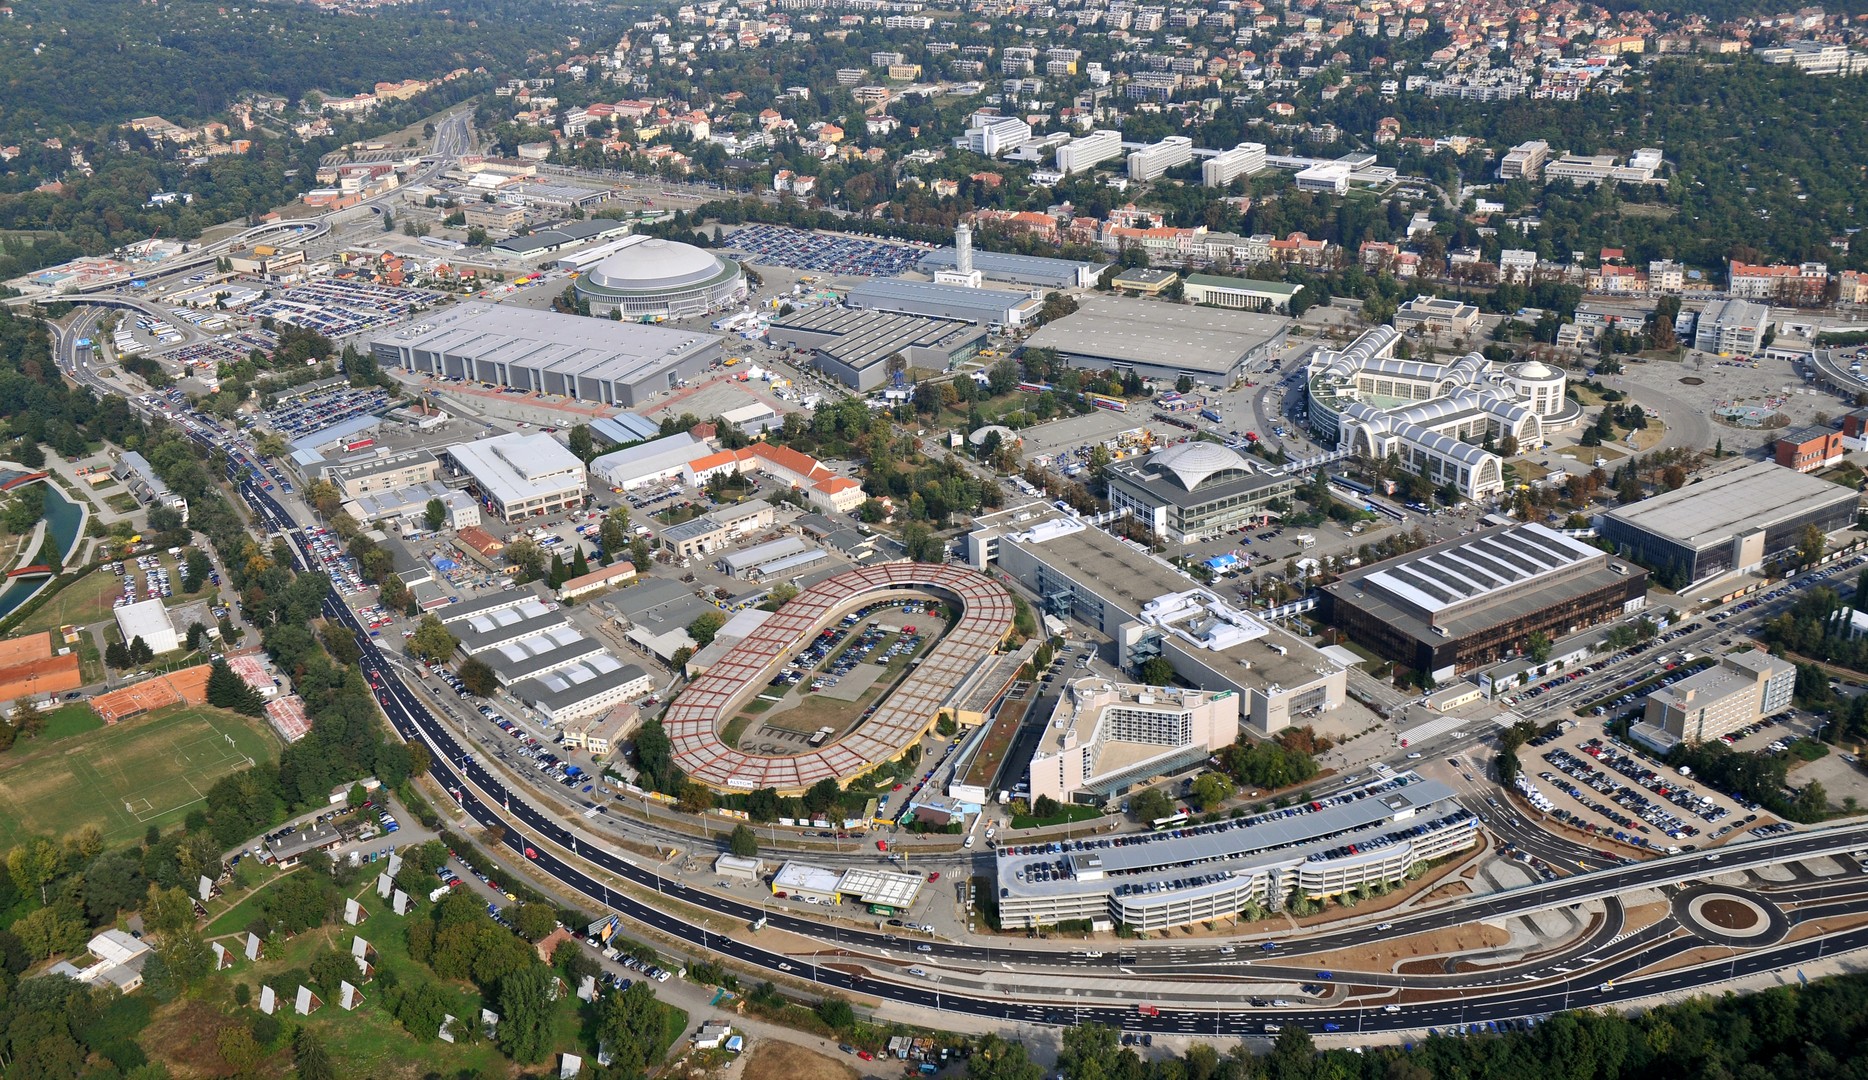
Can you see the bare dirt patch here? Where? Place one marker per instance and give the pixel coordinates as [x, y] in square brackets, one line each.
[1728, 914]
[786, 1061]
[1402, 954]
[186, 1038]
[1692, 380]
[1452, 890]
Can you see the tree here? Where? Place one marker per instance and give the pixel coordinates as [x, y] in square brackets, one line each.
[629, 1024]
[35, 863]
[310, 1057]
[1150, 804]
[527, 558]
[534, 921]
[705, 626]
[140, 652]
[1211, 789]
[238, 1049]
[742, 842]
[821, 796]
[432, 641]
[1537, 646]
[226, 690]
[581, 443]
[477, 676]
[835, 1012]
[1157, 671]
[117, 656]
[26, 719]
[613, 532]
[639, 555]
[435, 514]
[525, 1014]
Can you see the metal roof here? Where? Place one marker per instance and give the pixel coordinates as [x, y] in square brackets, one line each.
[1711, 511]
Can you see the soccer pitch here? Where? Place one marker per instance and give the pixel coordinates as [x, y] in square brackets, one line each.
[148, 770]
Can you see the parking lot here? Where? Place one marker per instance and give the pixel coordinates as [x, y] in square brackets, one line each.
[301, 415]
[338, 309]
[778, 245]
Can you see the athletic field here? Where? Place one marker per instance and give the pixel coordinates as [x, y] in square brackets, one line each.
[150, 769]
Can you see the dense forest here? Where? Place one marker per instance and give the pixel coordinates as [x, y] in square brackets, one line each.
[68, 64]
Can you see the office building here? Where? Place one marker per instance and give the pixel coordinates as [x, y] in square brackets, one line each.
[990, 135]
[1245, 159]
[1088, 151]
[1162, 341]
[1153, 161]
[519, 475]
[1434, 315]
[718, 530]
[1104, 737]
[134, 470]
[1729, 327]
[1737, 520]
[1368, 835]
[383, 471]
[1147, 607]
[591, 360]
[605, 577]
[855, 346]
[1472, 600]
[1195, 491]
[1524, 161]
[1809, 448]
[1737, 692]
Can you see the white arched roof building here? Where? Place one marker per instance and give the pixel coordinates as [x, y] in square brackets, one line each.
[1435, 417]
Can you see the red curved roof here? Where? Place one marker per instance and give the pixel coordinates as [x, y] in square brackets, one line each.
[694, 720]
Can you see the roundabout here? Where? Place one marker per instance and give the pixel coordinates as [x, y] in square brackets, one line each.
[1728, 916]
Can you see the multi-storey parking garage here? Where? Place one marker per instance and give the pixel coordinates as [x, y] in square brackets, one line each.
[1364, 836]
[695, 719]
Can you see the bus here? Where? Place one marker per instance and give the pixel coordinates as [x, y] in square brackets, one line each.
[1112, 404]
[1172, 821]
[1033, 387]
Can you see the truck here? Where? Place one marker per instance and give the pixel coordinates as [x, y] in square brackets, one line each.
[439, 891]
[1210, 414]
[573, 770]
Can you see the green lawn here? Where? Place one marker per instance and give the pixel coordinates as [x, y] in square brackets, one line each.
[148, 770]
[86, 600]
[1069, 815]
[235, 918]
[68, 720]
[122, 503]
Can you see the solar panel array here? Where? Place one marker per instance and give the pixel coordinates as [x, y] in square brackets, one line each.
[693, 722]
[1482, 565]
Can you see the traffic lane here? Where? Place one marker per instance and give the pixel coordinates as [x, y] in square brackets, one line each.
[564, 872]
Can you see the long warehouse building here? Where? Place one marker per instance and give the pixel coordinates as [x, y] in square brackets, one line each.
[593, 360]
[1162, 341]
[1735, 521]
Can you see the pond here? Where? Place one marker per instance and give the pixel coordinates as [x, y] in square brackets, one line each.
[62, 517]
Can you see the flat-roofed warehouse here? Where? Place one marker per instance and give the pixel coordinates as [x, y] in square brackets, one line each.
[1737, 520]
[615, 363]
[521, 474]
[1474, 599]
[853, 345]
[986, 307]
[1150, 609]
[1162, 341]
[1019, 269]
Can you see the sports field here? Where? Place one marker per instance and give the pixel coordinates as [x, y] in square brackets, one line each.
[147, 770]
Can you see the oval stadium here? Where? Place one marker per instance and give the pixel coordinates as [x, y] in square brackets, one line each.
[695, 722]
[652, 279]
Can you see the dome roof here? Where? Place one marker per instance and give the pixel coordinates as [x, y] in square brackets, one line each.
[1193, 463]
[1534, 370]
[654, 264]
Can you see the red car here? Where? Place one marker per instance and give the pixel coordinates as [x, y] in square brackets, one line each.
[882, 845]
[935, 876]
[865, 1055]
[530, 854]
